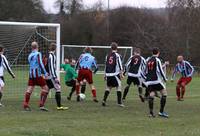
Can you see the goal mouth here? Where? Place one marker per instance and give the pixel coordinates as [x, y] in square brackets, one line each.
[100, 52]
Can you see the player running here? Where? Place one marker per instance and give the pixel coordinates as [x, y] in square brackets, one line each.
[3, 65]
[85, 64]
[154, 82]
[53, 81]
[36, 78]
[113, 74]
[135, 68]
[186, 70]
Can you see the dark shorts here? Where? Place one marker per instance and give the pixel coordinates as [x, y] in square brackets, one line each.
[85, 74]
[113, 81]
[184, 80]
[51, 83]
[156, 87]
[71, 83]
[39, 81]
[134, 80]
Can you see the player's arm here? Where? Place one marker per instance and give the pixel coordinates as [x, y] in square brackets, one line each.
[73, 72]
[78, 63]
[127, 65]
[143, 68]
[7, 66]
[119, 61]
[95, 66]
[190, 67]
[41, 64]
[161, 71]
[52, 69]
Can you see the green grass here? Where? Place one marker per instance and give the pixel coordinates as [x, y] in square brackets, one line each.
[88, 118]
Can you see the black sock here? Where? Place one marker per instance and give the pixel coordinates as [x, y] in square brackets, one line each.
[146, 92]
[1, 94]
[119, 97]
[140, 90]
[162, 103]
[126, 91]
[151, 100]
[72, 91]
[83, 87]
[106, 95]
[58, 98]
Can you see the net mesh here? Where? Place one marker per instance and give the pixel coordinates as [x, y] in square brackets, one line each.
[16, 40]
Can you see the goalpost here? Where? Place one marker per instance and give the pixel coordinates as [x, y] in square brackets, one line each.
[16, 37]
[100, 52]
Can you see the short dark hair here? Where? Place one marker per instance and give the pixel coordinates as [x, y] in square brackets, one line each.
[114, 46]
[52, 47]
[1, 48]
[137, 50]
[155, 50]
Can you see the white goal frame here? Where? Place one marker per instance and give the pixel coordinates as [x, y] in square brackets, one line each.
[57, 26]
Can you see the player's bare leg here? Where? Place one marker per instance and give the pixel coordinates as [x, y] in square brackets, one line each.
[43, 97]
[27, 98]
[163, 103]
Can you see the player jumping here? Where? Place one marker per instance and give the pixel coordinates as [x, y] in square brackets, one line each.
[186, 70]
[3, 65]
[53, 81]
[154, 76]
[35, 78]
[135, 68]
[85, 64]
[113, 74]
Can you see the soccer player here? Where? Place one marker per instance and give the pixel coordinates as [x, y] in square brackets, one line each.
[135, 68]
[3, 65]
[36, 78]
[53, 81]
[186, 70]
[113, 74]
[85, 64]
[154, 77]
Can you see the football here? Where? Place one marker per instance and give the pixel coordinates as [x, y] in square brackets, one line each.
[82, 96]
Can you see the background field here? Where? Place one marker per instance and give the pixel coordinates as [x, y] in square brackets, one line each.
[88, 118]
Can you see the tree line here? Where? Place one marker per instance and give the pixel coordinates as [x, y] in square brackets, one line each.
[175, 29]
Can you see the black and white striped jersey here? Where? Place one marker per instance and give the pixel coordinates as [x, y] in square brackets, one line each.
[135, 66]
[5, 65]
[154, 71]
[113, 64]
[51, 69]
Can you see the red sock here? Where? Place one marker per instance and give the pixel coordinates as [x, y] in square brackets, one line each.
[182, 91]
[43, 98]
[178, 92]
[77, 89]
[27, 99]
[94, 93]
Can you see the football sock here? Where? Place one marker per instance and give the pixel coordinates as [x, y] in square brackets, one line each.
[58, 98]
[162, 103]
[106, 94]
[94, 93]
[83, 88]
[77, 89]
[119, 97]
[126, 92]
[182, 91]
[178, 91]
[146, 92]
[1, 94]
[140, 90]
[43, 97]
[151, 101]
[72, 91]
[27, 98]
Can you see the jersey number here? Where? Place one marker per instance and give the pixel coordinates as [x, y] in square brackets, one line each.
[111, 60]
[151, 65]
[136, 61]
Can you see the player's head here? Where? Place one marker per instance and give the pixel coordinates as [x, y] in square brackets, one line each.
[34, 46]
[52, 47]
[137, 51]
[114, 46]
[1, 49]
[88, 50]
[73, 62]
[180, 58]
[66, 61]
[156, 51]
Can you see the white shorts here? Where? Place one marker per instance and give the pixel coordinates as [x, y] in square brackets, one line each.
[2, 84]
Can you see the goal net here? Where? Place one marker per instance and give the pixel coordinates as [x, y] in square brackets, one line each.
[16, 37]
[100, 52]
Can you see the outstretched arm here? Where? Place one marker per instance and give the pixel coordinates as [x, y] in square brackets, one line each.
[7, 66]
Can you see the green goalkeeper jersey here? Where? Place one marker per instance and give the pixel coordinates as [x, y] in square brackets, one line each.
[70, 72]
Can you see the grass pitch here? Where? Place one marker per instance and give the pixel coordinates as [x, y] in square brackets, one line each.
[90, 119]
